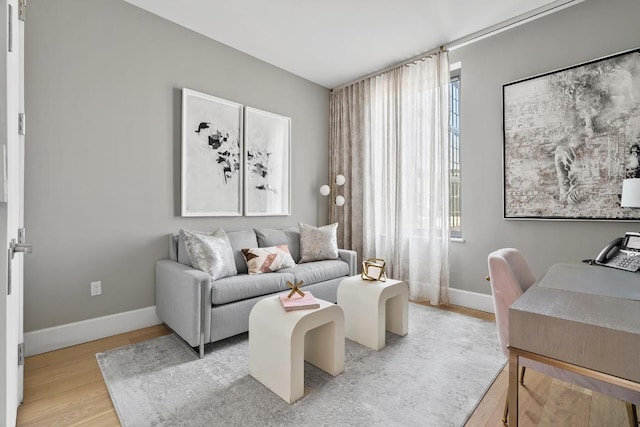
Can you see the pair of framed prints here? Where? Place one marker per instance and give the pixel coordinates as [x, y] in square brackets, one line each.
[236, 160]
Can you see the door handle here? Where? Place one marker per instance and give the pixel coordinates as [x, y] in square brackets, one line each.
[20, 245]
[14, 247]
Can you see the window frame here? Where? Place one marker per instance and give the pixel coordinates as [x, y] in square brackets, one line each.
[455, 188]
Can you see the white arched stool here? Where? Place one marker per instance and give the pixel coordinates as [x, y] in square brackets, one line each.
[373, 307]
[280, 341]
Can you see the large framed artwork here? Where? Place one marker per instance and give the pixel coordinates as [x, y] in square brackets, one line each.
[570, 138]
[211, 156]
[267, 162]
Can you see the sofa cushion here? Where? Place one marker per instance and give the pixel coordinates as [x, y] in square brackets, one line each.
[267, 260]
[319, 271]
[210, 253]
[274, 237]
[243, 286]
[183, 255]
[318, 243]
[240, 240]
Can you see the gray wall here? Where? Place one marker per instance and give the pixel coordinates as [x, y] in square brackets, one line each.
[587, 31]
[102, 181]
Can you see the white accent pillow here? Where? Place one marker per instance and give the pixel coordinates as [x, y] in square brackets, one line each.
[210, 253]
[266, 260]
[318, 243]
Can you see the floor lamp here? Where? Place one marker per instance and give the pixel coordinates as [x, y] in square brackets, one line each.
[338, 199]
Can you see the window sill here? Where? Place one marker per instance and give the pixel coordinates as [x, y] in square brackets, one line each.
[456, 239]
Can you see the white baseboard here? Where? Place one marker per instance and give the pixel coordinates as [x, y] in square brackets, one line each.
[57, 337]
[475, 300]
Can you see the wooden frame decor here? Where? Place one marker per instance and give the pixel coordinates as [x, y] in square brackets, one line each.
[570, 137]
[212, 175]
[267, 163]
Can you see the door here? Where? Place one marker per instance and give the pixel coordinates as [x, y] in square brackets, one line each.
[11, 210]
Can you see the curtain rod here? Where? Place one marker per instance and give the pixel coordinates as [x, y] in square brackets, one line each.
[474, 37]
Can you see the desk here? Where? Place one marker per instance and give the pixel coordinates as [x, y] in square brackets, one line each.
[593, 335]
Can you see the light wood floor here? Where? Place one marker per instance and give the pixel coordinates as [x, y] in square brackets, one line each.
[65, 388]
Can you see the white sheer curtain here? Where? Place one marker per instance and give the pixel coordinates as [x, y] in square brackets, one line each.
[389, 136]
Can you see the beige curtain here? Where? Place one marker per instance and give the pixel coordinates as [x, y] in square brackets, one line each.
[349, 119]
[389, 137]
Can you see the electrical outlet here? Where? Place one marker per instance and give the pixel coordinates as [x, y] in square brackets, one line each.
[96, 288]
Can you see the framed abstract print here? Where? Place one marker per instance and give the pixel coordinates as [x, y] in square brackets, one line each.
[211, 175]
[267, 153]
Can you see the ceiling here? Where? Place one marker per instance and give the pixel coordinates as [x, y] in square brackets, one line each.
[332, 42]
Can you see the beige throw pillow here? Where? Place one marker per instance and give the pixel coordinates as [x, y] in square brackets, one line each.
[318, 243]
[210, 253]
[266, 260]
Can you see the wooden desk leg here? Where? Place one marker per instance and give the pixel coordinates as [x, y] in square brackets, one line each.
[513, 389]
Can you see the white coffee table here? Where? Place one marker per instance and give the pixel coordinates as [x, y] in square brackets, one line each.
[280, 342]
[371, 308]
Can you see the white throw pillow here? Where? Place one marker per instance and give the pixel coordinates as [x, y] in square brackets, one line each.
[318, 243]
[266, 260]
[210, 253]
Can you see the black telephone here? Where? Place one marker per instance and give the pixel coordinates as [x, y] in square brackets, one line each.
[622, 253]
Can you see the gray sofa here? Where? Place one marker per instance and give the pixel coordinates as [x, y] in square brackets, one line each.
[201, 310]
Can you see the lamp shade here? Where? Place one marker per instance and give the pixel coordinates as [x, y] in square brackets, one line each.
[630, 193]
[325, 190]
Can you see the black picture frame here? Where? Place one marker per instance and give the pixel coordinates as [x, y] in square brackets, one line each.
[570, 137]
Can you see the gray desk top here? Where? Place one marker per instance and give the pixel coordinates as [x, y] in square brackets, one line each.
[558, 295]
[593, 331]
[595, 280]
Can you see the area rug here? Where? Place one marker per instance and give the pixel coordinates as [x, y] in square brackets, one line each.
[434, 376]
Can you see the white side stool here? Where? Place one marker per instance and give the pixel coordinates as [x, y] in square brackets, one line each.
[280, 342]
[371, 308]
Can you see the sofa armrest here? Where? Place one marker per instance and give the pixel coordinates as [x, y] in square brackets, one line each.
[181, 294]
[351, 258]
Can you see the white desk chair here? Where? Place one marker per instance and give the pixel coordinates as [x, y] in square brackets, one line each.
[510, 276]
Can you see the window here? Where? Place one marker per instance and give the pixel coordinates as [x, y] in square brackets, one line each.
[455, 217]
